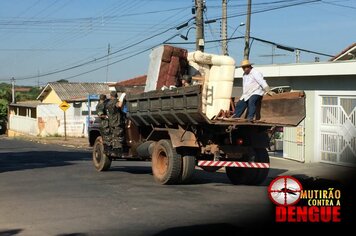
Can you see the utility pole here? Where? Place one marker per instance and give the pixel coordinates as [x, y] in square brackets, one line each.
[224, 28]
[199, 21]
[297, 55]
[38, 78]
[13, 89]
[107, 63]
[247, 33]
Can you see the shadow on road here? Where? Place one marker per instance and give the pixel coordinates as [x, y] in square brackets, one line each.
[133, 169]
[73, 234]
[14, 161]
[200, 176]
[10, 232]
[205, 229]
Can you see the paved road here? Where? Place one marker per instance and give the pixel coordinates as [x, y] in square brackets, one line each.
[53, 190]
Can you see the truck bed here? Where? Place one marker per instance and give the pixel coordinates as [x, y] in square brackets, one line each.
[183, 106]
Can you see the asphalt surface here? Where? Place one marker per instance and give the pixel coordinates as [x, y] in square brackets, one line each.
[55, 190]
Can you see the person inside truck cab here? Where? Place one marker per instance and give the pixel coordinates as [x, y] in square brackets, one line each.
[254, 86]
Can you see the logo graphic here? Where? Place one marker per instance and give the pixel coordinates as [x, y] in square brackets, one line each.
[285, 191]
[295, 204]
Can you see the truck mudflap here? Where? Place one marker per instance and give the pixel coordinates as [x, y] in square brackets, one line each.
[238, 164]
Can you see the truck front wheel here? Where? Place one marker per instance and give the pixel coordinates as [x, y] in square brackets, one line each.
[250, 176]
[100, 160]
[166, 163]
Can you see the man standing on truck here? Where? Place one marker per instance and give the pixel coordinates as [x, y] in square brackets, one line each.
[254, 86]
[102, 114]
[114, 113]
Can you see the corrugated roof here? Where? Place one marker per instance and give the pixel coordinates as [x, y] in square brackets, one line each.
[74, 91]
[32, 104]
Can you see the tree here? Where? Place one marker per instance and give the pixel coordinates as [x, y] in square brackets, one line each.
[5, 98]
[62, 81]
[3, 108]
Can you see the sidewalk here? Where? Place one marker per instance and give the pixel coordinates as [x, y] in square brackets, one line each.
[72, 142]
[281, 166]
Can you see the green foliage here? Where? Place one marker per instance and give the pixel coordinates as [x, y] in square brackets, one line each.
[26, 96]
[62, 81]
[6, 97]
[3, 108]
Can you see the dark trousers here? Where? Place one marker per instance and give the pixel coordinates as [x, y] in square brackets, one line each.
[251, 104]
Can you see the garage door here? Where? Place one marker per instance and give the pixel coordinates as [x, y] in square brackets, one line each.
[293, 142]
[338, 130]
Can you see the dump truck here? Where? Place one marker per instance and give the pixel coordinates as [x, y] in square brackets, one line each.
[180, 128]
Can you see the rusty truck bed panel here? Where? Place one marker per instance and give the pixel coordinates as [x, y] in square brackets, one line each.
[284, 109]
[183, 106]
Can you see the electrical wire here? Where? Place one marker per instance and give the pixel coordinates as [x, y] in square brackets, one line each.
[338, 5]
[97, 59]
[261, 40]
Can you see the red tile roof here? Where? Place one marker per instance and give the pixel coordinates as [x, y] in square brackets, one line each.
[22, 89]
[343, 52]
[137, 81]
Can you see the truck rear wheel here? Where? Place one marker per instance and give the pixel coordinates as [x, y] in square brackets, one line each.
[166, 163]
[250, 176]
[100, 160]
[188, 167]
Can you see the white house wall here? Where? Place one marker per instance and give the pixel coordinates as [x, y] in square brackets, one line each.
[51, 120]
[306, 69]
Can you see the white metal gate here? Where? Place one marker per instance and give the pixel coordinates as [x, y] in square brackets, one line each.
[338, 130]
[293, 142]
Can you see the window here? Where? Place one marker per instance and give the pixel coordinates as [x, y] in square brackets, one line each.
[329, 101]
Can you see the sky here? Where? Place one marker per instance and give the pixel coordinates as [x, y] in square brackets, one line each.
[46, 40]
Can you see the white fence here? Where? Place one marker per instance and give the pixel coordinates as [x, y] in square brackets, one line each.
[51, 120]
[23, 124]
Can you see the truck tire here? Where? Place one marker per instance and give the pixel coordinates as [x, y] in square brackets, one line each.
[166, 163]
[250, 176]
[188, 167]
[100, 160]
[261, 155]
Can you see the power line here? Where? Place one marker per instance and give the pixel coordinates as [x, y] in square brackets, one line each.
[112, 63]
[171, 18]
[99, 59]
[81, 20]
[134, 37]
[112, 9]
[120, 60]
[96, 59]
[211, 30]
[270, 9]
[261, 40]
[339, 5]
